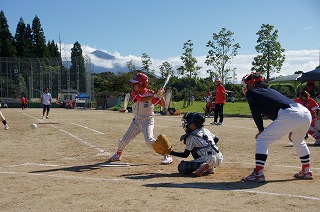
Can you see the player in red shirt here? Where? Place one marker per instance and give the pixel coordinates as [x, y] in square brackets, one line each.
[308, 102]
[221, 95]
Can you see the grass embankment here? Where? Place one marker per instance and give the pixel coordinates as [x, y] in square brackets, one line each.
[232, 109]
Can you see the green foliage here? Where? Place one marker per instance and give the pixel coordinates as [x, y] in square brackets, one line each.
[286, 90]
[7, 48]
[271, 58]
[223, 50]
[39, 40]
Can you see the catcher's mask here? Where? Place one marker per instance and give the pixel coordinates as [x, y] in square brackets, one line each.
[141, 79]
[192, 118]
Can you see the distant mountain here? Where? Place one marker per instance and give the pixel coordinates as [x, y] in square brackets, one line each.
[102, 55]
[99, 69]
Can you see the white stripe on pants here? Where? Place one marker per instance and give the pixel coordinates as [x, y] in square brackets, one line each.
[295, 119]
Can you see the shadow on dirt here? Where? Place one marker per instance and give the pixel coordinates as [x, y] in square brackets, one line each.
[237, 185]
[88, 167]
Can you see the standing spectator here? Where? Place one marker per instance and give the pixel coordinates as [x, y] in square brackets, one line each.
[46, 100]
[4, 122]
[221, 95]
[308, 102]
[24, 103]
[288, 117]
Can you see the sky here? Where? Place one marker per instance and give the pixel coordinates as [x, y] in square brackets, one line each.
[128, 28]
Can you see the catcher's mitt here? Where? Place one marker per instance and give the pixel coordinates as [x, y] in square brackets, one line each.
[162, 145]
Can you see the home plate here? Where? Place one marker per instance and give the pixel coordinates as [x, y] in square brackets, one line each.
[113, 164]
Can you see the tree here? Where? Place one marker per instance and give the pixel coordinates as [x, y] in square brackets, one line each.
[53, 49]
[131, 66]
[146, 63]
[77, 68]
[271, 56]
[7, 48]
[223, 50]
[22, 42]
[39, 40]
[189, 68]
[166, 69]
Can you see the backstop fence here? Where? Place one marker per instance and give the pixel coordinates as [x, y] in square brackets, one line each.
[29, 76]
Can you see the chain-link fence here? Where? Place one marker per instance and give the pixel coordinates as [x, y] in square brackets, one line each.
[29, 76]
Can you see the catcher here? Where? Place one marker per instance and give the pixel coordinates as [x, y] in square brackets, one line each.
[199, 141]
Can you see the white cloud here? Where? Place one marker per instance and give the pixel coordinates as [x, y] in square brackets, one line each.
[299, 60]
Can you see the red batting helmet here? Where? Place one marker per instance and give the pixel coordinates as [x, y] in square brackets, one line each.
[141, 79]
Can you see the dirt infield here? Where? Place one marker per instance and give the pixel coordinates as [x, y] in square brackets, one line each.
[55, 168]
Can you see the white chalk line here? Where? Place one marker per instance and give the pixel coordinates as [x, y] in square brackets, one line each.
[115, 179]
[248, 191]
[31, 164]
[176, 185]
[100, 150]
[101, 133]
[68, 177]
[40, 120]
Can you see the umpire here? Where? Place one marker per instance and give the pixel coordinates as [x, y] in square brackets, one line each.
[288, 117]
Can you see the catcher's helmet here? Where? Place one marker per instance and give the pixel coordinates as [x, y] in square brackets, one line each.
[141, 79]
[192, 118]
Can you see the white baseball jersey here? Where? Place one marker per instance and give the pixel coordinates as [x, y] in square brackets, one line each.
[46, 98]
[143, 120]
[203, 147]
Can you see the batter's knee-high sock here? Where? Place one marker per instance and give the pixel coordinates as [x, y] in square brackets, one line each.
[119, 152]
[260, 162]
[4, 122]
[305, 160]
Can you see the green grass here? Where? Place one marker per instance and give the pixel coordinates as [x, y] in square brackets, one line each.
[235, 109]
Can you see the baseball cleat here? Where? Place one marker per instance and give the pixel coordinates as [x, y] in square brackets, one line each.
[317, 142]
[253, 177]
[211, 170]
[202, 169]
[6, 127]
[306, 175]
[114, 157]
[213, 123]
[167, 160]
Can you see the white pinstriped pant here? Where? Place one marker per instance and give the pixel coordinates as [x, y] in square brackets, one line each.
[145, 126]
[2, 117]
[295, 119]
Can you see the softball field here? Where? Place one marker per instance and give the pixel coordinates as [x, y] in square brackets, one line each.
[56, 167]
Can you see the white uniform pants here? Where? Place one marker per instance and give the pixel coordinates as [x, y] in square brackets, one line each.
[295, 119]
[137, 126]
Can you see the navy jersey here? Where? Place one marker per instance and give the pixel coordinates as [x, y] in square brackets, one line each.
[267, 102]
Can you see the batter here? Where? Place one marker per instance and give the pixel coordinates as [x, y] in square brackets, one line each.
[144, 101]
